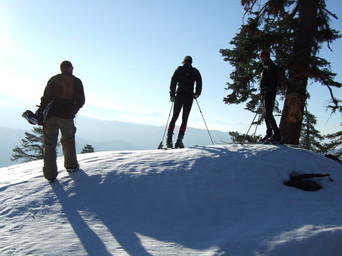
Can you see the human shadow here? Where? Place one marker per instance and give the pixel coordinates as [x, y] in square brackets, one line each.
[192, 203]
[130, 207]
[81, 198]
[86, 235]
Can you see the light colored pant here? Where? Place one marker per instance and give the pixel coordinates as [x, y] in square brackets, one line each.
[51, 130]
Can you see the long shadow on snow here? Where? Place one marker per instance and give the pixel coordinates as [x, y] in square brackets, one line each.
[167, 206]
[175, 204]
[86, 235]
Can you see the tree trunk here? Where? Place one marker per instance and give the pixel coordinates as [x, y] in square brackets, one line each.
[292, 117]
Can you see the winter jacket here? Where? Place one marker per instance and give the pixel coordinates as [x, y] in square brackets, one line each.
[66, 93]
[269, 77]
[186, 76]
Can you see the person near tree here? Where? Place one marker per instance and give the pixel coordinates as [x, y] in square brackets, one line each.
[64, 96]
[268, 89]
[182, 94]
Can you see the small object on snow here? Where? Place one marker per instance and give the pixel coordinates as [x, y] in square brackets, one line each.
[305, 181]
[333, 157]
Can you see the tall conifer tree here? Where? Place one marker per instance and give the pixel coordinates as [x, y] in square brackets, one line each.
[310, 137]
[293, 31]
[335, 143]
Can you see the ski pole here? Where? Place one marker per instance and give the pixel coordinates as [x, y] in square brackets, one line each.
[244, 137]
[256, 113]
[161, 143]
[256, 128]
[205, 122]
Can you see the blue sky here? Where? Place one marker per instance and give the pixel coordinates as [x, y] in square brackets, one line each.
[126, 51]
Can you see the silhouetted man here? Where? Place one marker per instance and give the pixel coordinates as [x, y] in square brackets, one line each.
[268, 88]
[64, 96]
[182, 94]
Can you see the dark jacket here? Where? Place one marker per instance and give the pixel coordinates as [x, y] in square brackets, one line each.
[269, 77]
[67, 94]
[186, 76]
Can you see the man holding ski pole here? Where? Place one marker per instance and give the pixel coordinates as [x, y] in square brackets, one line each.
[268, 88]
[182, 94]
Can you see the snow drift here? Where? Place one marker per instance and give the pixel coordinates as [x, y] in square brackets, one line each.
[212, 200]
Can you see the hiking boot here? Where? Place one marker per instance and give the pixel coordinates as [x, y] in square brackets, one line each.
[275, 139]
[268, 135]
[179, 144]
[169, 143]
[72, 169]
[265, 138]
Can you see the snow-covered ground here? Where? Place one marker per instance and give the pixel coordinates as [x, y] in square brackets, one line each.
[212, 200]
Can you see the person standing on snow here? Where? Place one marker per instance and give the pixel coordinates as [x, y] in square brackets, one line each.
[268, 88]
[183, 79]
[64, 96]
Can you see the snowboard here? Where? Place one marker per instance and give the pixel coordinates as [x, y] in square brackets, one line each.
[35, 118]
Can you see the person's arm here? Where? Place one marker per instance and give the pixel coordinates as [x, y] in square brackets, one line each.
[173, 83]
[198, 80]
[79, 95]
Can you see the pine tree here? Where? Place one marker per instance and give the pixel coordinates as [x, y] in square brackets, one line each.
[335, 143]
[32, 146]
[238, 138]
[87, 149]
[310, 137]
[294, 32]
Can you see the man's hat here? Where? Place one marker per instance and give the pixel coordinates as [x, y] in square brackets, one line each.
[187, 59]
[264, 53]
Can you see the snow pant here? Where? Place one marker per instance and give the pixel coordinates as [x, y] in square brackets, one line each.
[271, 124]
[182, 101]
[51, 130]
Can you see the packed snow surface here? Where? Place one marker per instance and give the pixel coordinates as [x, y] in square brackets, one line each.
[211, 200]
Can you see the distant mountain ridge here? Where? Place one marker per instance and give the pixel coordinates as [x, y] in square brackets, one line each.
[102, 135]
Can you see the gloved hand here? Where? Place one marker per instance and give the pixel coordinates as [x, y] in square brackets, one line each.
[172, 99]
[196, 96]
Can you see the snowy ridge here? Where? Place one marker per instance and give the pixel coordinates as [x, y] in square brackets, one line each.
[212, 200]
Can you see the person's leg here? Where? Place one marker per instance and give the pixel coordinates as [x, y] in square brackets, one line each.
[176, 110]
[187, 104]
[269, 131]
[50, 133]
[68, 131]
[269, 118]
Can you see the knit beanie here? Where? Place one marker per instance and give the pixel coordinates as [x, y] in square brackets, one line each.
[265, 53]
